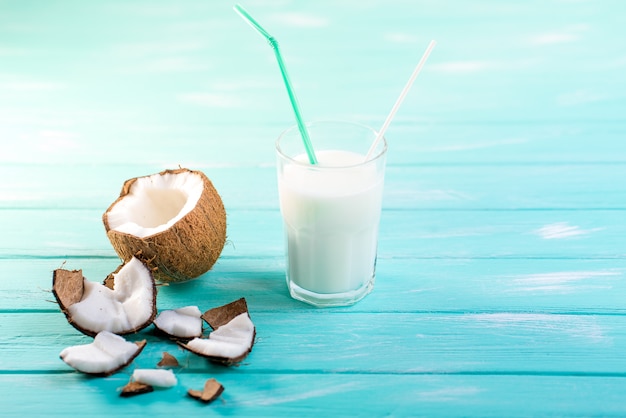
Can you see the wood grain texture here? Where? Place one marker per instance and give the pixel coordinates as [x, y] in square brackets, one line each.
[499, 342]
[491, 285]
[288, 395]
[500, 285]
[403, 233]
[486, 185]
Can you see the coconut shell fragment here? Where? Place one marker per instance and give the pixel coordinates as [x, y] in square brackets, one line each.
[135, 388]
[182, 323]
[67, 287]
[125, 305]
[222, 315]
[168, 361]
[232, 337]
[211, 391]
[107, 354]
[174, 220]
[109, 281]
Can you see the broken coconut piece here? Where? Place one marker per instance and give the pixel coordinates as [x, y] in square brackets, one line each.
[107, 354]
[222, 315]
[168, 360]
[183, 323]
[155, 377]
[135, 388]
[175, 219]
[231, 340]
[211, 391]
[92, 307]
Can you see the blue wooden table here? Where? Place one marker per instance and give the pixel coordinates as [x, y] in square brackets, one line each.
[502, 257]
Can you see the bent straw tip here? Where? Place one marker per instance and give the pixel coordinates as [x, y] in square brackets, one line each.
[250, 20]
[404, 92]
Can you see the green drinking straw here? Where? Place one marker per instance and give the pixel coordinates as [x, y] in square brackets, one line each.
[283, 70]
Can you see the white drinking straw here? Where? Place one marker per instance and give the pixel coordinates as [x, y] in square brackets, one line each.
[408, 85]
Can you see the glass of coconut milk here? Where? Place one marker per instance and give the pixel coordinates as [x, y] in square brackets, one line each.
[331, 211]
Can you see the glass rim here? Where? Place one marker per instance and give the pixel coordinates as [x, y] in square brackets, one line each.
[308, 165]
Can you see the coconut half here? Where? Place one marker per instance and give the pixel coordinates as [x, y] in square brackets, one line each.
[184, 323]
[107, 354]
[127, 307]
[233, 335]
[175, 219]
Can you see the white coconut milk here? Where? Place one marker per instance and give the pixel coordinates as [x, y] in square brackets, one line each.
[331, 215]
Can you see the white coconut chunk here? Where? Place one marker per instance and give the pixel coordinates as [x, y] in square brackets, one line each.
[184, 322]
[155, 203]
[107, 353]
[213, 348]
[155, 377]
[230, 341]
[126, 308]
[189, 310]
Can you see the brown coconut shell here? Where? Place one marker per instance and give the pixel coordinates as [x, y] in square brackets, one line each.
[68, 288]
[186, 250]
[134, 389]
[168, 360]
[219, 316]
[211, 391]
[222, 315]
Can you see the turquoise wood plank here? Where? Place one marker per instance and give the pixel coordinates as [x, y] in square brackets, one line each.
[333, 342]
[219, 144]
[562, 286]
[403, 233]
[510, 186]
[264, 394]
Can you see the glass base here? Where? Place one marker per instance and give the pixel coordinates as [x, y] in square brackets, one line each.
[324, 300]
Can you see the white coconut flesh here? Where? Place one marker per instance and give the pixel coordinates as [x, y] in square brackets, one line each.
[106, 354]
[155, 203]
[155, 377]
[126, 308]
[231, 341]
[180, 323]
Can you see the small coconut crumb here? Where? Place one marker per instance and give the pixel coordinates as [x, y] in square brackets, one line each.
[155, 377]
[107, 354]
[135, 388]
[211, 391]
[184, 322]
[168, 360]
